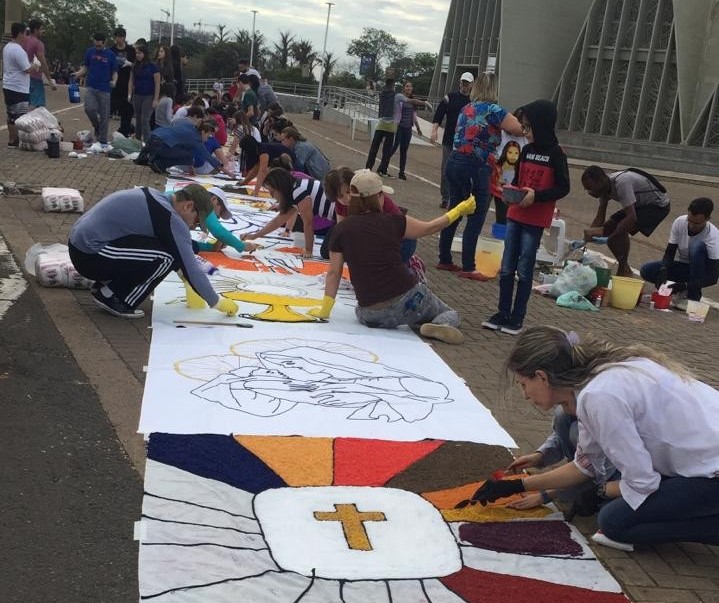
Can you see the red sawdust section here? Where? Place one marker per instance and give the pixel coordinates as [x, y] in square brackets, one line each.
[445, 500]
[298, 461]
[476, 586]
[360, 462]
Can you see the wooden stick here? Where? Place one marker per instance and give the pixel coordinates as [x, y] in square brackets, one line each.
[209, 323]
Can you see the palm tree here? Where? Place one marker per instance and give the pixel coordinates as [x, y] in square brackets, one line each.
[304, 54]
[222, 34]
[282, 50]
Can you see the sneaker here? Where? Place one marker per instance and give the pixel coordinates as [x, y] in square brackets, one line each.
[496, 322]
[446, 333]
[473, 276]
[106, 148]
[16, 143]
[443, 204]
[600, 538]
[402, 176]
[384, 174]
[512, 327]
[156, 168]
[115, 306]
[448, 267]
[680, 301]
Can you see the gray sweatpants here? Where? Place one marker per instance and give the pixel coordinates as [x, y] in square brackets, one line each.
[416, 307]
[97, 109]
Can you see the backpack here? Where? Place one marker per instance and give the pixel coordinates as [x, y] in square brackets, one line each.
[655, 183]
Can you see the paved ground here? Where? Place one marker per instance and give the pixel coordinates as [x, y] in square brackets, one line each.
[111, 354]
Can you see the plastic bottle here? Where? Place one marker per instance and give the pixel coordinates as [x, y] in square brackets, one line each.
[73, 91]
[207, 267]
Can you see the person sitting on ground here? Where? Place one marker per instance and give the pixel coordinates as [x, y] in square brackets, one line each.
[644, 201]
[696, 240]
[221, 131]
[370, 242]
[267, 152]
[186, 101]
[310, 159]
[646, 414]
[200, 164]
[273, 112]
[130, 241]
[337, 184]
[182, 143]
[246, 139]
[304, 197]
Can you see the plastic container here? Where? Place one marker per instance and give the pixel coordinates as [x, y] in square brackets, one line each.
[206, 266]
[661, 302]
[512, 194]
[603, 276]
[488, 256]
[73, 91]
[626, 292]
[499, 231]
[53, 146]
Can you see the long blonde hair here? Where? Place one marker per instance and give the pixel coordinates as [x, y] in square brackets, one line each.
[570, 363]
[485, 88]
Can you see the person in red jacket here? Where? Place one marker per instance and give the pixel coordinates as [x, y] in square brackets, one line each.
[544, 176]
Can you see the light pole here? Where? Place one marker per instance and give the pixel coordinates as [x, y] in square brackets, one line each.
[172, 26]
[252, 43]
[324, 53]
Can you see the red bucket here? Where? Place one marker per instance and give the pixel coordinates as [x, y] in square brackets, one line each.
[661, 302]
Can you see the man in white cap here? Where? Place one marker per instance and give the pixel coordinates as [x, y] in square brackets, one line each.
[448, 110]
[388, 295]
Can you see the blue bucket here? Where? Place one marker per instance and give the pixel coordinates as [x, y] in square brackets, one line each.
[499, 231]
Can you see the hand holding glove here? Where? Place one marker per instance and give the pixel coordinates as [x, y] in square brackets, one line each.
[324, 310]
[466, 207]
[491, 490]
[227, 306]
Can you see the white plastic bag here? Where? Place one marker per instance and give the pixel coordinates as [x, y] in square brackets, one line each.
[62, 199]
[575, 277]
[52, 267]
[36, 119]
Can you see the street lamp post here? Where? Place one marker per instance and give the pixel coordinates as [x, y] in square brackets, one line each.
[324, 54]
[172, 26]
[252, 43]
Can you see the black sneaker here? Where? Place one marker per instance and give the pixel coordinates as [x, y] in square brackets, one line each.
[156, 168]
[444, 204]
[496, 322]
[402, 176]
[115, 306]
[512, 327]
[384, 174]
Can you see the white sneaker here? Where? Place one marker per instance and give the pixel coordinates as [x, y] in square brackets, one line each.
[679, 301]
[600, 538]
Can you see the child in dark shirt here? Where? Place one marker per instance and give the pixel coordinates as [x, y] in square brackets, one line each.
[543, 173]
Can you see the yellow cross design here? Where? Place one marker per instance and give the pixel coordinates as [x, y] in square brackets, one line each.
[352, 523]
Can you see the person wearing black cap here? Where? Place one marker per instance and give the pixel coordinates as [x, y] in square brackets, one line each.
[100, 66]
[131, 240]
[125, 56]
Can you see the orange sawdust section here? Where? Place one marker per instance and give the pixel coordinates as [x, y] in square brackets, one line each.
[445, 500]
[298, 461]
[250, 264]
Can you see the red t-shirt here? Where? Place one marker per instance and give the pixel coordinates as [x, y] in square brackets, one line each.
[32, 47]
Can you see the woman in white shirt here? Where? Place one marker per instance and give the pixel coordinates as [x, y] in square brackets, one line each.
[645, 413]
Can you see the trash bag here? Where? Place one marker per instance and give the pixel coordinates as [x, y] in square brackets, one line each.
[574, 277]
[574, 300]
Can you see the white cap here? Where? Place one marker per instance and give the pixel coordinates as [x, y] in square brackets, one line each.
[368, 183]
[467, 77]
[220, 194]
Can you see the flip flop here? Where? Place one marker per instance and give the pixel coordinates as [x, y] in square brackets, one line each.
[473, 276]
[448, 267]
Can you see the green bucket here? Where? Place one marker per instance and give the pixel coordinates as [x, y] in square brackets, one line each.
[603, 276]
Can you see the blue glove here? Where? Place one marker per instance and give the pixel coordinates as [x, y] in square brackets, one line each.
[577, 244]
[600, 240]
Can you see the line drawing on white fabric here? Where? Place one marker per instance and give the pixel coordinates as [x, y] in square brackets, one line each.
[267, 378]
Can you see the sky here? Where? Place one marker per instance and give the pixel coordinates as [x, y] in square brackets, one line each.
[419, 23]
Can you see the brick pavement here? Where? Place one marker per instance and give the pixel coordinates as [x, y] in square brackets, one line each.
[112, 353]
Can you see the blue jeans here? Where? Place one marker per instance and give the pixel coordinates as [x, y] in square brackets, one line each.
[692, 273]
[466, 174]
[683, 509]
[521, 242]
[415, 307]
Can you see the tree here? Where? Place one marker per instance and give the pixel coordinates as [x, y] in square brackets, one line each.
[69, 25]
[328, 65]
[346, 79]
[221, 60]
[419, 68]
[380, 44]
[243, 42]
[222, 34]
[304, 54]
[282, 51]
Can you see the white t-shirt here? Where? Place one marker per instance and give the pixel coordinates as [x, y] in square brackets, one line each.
[15, 62]
[679, 236]
[649, 422]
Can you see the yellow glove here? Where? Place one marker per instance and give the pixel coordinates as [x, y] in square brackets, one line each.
[227, 306]
[194, 301]
[468, 206]
[325, 309]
